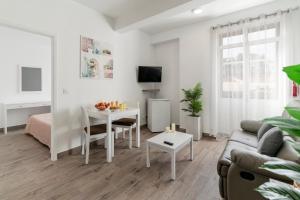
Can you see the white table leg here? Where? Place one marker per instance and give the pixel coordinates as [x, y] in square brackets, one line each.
[82, 143]
[113, 145]
[105, 143]
[5, 120]
[109, 148]
[191, 150]
[148, 154]
[137, 130]
[173, 165]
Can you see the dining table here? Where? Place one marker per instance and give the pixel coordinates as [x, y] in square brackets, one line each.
[109, 116]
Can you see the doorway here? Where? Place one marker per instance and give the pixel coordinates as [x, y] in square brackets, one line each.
[27, 85]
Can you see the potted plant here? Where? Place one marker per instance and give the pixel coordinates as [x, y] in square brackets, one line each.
[192, 98]
[279, 190]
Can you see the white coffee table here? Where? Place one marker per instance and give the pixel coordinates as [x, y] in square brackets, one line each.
[179, 140]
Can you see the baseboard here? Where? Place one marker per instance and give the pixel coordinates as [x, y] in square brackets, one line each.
[209, 135]
[73, 151]
[12, 128]
[204, 134]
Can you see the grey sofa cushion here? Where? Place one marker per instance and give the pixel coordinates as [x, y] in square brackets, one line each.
[251, 126]
[244, 137]
[271, 142]
[263, 129]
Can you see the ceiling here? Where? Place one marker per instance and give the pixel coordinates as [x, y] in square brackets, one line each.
[119, 8]
[154, 16]
[127, 12]
[211, 10]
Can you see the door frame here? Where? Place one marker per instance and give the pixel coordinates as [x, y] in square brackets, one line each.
[54, 74]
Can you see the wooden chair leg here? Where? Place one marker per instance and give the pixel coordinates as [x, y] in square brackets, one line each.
[87, 149]
[82, 144]
[123, 130]
[130, 138]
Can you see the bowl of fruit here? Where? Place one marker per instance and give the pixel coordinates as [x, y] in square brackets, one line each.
[102, 105]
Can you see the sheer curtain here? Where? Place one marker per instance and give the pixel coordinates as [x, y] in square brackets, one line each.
[247, 77]
[291, 47]
[291, 37]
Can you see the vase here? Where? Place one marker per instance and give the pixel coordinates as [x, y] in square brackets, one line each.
[193, 127]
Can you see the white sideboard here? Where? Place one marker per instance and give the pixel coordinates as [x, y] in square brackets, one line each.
[19, 106]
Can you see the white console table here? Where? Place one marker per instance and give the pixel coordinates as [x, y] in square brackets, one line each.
[15, 106]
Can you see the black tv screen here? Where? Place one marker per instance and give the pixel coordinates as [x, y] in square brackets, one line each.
[149, 74]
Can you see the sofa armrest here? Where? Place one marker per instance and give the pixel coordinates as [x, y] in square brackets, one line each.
[251, 126]
[252, 161]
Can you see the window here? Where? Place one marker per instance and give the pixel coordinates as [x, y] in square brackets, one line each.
[249, 63]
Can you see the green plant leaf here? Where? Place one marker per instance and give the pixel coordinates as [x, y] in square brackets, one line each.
[186, 110]
[294, 112]
[284, 168]
[293, 72]
[192, 99]
[278, 191]
[291, 126]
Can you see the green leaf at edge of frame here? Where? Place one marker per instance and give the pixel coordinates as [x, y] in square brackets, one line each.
[284, 168]
[291, 126]
[278, 191]
[294, 112]
[293, 72]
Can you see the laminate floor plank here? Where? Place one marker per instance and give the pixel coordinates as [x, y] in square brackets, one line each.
[26, 172]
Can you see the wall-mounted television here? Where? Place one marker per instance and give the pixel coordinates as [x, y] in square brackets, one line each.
[149, 74]
[30, 79]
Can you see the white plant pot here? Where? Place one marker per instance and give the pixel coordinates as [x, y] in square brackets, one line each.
[193, 127]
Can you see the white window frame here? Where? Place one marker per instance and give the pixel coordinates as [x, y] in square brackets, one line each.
[246, 44]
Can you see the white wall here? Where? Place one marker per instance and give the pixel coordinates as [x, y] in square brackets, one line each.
[194, 48]
[167, 55]
[68, 20]
[26, 49]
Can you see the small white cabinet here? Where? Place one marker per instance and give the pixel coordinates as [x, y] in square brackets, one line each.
[159, 114]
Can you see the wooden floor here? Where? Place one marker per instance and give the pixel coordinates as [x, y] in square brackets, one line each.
[26, 172]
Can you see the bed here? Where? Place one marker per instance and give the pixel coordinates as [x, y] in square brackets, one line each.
[39, 126]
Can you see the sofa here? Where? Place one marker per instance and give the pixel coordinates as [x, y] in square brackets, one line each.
[239, 165]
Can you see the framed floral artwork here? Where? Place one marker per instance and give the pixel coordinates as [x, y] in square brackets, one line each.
[96, 60]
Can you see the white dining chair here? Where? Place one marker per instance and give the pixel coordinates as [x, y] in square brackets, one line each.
[91, 133]
[126, 124]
